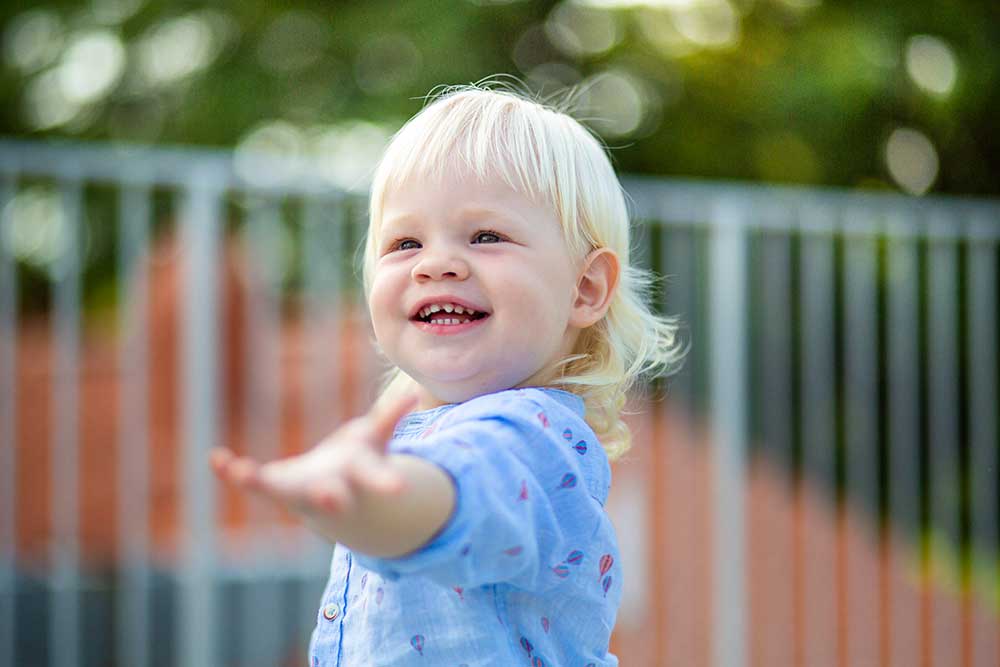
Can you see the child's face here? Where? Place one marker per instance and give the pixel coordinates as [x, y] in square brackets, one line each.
[510, 261]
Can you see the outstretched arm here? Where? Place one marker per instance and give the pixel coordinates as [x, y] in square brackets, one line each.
[350, 491]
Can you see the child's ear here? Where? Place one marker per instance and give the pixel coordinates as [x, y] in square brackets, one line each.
[595, 287]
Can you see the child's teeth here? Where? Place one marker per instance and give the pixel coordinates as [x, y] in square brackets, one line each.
[448, 308]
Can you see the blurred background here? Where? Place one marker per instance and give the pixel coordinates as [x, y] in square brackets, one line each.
[182, 197]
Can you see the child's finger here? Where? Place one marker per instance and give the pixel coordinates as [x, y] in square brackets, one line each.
[218, 458]
[225, 464]
[244, 471]
[262, 481]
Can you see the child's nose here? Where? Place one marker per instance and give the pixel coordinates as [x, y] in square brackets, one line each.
[439, 266]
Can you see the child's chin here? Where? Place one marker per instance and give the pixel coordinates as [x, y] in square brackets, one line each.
[445, 381]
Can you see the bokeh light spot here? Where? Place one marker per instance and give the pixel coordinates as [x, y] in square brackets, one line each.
[114, 12]
[266, 154]
[35, 226]
[346, 154]
[581, 31]
[92, 65]
[931, 64]
[912, 160]
[46, 104]
[33, 40]
[549, 77]
[710, 23]
[617, 102]
[175, 49]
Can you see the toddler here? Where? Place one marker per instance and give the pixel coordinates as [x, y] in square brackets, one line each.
[467, 507]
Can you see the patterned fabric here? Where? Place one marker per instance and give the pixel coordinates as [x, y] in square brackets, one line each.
[526, 570]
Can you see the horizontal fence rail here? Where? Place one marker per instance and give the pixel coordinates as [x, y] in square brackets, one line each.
[156, 302]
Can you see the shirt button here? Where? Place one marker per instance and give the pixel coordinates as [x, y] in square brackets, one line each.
[331, 611]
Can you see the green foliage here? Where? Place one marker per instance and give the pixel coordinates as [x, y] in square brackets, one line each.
[798, 92]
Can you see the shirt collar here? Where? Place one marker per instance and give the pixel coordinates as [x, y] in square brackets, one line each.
[415, 422]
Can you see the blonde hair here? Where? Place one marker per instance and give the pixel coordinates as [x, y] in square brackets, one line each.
[540, 150]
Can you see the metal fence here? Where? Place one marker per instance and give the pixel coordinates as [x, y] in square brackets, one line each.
[849, 337]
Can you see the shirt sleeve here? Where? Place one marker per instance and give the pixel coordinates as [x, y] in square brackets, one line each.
[522, 511]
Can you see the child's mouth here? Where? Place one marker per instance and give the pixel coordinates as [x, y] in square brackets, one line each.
[450, 325]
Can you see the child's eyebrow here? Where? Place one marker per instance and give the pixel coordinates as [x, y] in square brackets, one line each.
[388, 225]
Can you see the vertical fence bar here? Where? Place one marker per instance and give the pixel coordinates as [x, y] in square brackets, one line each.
[681, 269]
[132, 634]
[199, 420]
[774, 403]
[861, 427]
[259, 624]
[322, 256]
[816, 618]
[943, 426]
[8, 428]
[322, 238]
[372, 364]
[675, 634]
[728, 340]
[64, 621]
[983, 340]
[903, 432]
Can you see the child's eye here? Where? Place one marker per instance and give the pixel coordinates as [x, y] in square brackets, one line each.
[401, 244]
[493, 235]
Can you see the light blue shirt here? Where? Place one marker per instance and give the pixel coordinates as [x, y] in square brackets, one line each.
[526, 571]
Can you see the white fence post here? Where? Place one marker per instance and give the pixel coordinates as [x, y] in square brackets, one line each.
[728, 391]
[199, 404]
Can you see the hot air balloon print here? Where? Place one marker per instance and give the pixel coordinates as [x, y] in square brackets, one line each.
[545, 624]
[606, 562]
[568, 481]
[537, 662]
[575, 557]
[465, 550]
[568, 434]
[514, 551]
[417, 642]
[581, 448]
[542, 418]
[524, 491]
[606, 584]
[561, 570]
[378, 595]
[459, 589]
[364, 580]
[526, 645]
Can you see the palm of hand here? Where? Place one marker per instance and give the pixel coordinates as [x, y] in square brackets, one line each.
[329, 480]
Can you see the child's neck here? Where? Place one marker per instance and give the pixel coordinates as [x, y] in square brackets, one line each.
[427, 401]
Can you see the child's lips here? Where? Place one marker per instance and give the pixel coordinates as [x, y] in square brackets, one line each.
[449, 329]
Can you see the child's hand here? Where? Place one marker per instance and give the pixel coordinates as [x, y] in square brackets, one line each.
[328, 480]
